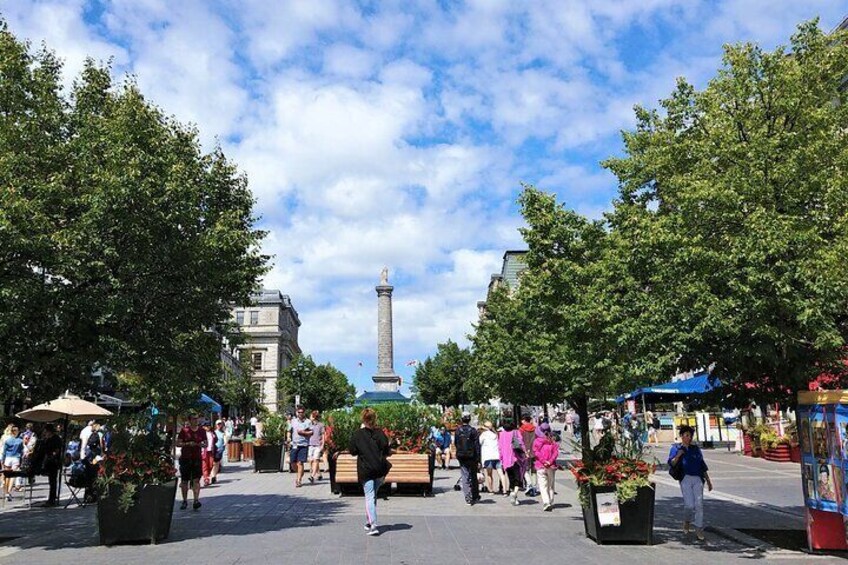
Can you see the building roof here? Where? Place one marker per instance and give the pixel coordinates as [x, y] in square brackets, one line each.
[269, 297]
[513, 263]
[379, 397]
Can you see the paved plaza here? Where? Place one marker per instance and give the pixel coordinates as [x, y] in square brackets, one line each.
[261, 518]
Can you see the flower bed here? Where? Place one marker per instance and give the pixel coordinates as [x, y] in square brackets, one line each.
[625, 474]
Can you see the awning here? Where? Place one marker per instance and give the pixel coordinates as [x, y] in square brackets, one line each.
[674, 391]
[209, 404]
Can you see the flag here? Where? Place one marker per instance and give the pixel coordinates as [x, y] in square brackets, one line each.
[412, 363]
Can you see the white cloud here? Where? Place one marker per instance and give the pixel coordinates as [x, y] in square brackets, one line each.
[398, 134]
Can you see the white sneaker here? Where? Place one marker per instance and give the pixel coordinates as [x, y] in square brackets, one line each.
[374, 531]
[515, 500]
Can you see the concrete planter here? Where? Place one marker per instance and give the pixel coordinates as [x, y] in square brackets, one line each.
[149, 519]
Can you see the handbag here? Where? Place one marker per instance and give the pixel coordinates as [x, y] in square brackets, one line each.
[516, 445]
[676, 470]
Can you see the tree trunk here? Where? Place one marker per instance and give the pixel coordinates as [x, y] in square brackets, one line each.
[581, 405]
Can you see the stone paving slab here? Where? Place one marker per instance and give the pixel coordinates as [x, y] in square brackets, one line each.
[261, 518]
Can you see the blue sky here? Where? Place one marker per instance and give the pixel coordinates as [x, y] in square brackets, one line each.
[397, 132]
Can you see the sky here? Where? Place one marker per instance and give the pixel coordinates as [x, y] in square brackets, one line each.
[398, 133]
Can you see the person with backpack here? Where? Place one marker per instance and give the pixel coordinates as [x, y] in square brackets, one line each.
[467, 443]
[686, 464]
[371, 447]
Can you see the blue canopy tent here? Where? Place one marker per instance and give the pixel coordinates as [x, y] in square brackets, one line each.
[208, 404]
[675, 391]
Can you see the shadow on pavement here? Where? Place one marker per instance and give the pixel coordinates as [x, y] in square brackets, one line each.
[226, 514]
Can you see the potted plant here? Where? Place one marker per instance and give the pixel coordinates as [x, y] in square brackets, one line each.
[616, 494]
[452, 418]
[340, 427]
[756, 433]
[775, 448]
[268, 451]
[137, 486]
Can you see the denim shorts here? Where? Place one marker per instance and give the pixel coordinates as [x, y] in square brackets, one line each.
[299, 453]
[492, 464]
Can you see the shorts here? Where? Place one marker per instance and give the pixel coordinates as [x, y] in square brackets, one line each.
[299, 453]
[443, 451]
[314, 452]
[492, 464]
[191, 469]
[13, 462]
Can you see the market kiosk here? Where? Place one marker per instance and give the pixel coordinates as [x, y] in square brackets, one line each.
[822, 419]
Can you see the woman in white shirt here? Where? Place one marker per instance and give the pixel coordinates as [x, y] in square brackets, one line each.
[491, 457]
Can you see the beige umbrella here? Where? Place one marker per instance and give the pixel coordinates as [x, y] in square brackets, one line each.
[67, 406]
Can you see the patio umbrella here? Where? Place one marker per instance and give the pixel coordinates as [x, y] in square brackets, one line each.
[66, 407]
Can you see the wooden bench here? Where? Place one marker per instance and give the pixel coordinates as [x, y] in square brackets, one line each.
[407, 469]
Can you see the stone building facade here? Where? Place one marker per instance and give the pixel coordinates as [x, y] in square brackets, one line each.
[514, 262]
[270, 325]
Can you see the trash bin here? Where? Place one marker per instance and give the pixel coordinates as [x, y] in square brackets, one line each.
[247, 450]
[234, 450]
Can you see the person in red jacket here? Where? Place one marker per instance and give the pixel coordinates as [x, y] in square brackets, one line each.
[546, 451]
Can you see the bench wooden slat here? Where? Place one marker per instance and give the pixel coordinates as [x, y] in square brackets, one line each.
[406, 469]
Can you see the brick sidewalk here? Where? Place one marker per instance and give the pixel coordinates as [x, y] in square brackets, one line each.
[250, 518]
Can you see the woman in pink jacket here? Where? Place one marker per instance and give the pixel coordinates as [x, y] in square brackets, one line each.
[512, 449]
[546, 450]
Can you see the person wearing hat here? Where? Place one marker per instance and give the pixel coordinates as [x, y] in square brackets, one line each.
[467, 443]
[546, 450]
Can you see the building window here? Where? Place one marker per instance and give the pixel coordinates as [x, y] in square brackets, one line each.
[240, 318]
[256, 361]
[260, 387]
[254, 317]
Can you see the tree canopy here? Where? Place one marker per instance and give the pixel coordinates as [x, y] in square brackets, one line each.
[122, 244]
[440, 379]
[321, 387]
[734, 208]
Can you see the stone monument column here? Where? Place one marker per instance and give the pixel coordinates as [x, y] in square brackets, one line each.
[386, 379]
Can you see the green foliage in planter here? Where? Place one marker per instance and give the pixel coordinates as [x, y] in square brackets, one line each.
[452, 417]
[274, 429]
[135, 459]
[486, 413]
[341, 425]
[406, 425]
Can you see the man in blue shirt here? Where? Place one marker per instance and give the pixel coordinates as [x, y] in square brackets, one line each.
[692, 484]
[442, 442]
[301, 430]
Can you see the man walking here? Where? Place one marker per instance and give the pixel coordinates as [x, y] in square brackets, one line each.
[316, 447]
[192, 441]
[301, 432]
[467, 444]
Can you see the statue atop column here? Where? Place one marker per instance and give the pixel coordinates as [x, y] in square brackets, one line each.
[386, 379]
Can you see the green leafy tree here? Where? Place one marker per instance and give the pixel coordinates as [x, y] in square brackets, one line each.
[439, 379]
[733, 209]
[321, 387]
[550, 338]
[238, 388]
[121, 243]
